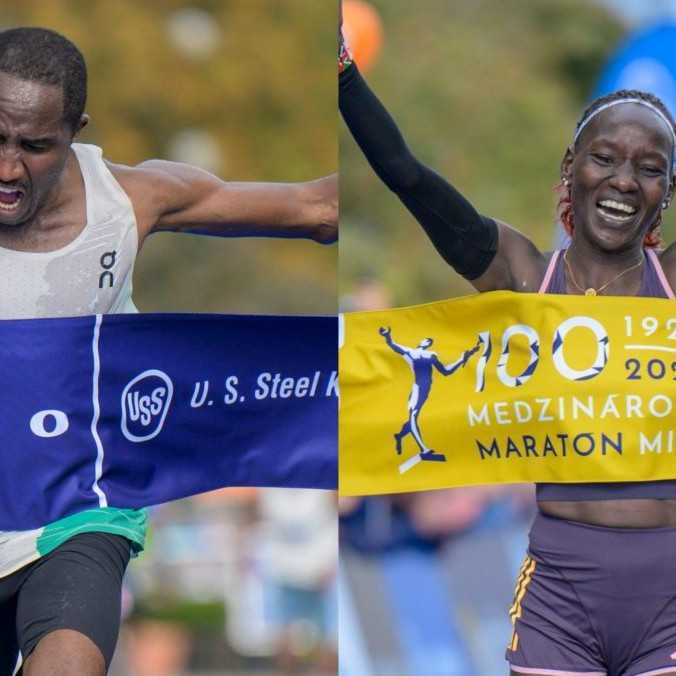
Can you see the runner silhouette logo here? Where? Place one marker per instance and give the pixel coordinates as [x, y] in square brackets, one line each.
[422, 362]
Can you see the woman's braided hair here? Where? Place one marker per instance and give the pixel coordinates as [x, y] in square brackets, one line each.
[653, 237]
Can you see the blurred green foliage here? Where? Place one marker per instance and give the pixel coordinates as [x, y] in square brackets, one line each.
[487, 93]
[198, 616]
[267, 95]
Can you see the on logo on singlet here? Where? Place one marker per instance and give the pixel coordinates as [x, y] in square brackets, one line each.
[107, 260]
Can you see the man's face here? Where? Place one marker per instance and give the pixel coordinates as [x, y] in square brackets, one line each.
[34, 146]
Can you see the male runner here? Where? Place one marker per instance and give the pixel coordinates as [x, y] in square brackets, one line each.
[71, 225]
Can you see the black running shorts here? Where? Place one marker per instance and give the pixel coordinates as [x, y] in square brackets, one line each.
[76, 586]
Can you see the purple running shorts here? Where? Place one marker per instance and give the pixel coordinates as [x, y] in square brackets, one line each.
[594, 601]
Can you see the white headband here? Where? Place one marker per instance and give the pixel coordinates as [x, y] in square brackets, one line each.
[641, 102]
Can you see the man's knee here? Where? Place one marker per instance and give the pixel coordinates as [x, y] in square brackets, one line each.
[65, 652]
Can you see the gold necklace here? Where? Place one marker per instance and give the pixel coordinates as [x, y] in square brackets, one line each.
[591, 291]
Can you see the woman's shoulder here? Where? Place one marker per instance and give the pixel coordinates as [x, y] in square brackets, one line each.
[527, 264]
[667, 258]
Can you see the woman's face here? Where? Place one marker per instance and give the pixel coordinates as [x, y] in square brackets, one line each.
[619, 173]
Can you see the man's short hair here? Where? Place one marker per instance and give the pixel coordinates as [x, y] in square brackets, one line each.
[42, 55]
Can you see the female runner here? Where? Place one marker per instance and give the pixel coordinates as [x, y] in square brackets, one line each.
[597, 592]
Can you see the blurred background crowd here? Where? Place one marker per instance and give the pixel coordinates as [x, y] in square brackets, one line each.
[236, 582]
[488, 94]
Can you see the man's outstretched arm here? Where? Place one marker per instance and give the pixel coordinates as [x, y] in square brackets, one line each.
[171, 196]
[386, 333]
[451, 368]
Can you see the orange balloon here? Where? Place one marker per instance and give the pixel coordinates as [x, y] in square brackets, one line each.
[363, 30]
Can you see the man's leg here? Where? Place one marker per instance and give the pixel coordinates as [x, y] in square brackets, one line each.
[425, 452]
[68, 612]
[9, 646]
[415, 407]
[399, 436]
[415, 431]
[65, 651]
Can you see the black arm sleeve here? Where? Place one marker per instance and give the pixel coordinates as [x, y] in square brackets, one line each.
[465, 239]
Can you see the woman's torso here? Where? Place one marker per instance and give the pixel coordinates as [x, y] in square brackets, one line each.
[643, 504]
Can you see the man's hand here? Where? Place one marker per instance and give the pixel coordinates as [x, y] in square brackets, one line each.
[324, 192]
[468, 353]
[385, 332]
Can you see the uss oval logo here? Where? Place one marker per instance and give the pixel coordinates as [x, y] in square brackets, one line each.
[145, 404]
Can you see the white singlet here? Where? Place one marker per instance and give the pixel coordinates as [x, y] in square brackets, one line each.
[90, 275]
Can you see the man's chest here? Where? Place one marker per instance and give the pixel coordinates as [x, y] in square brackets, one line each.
[90, 274]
